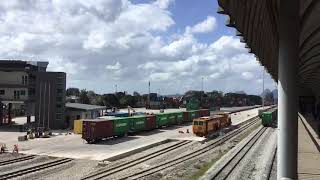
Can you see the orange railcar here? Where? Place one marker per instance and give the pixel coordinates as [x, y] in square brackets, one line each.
[226, 120]
[204, 126]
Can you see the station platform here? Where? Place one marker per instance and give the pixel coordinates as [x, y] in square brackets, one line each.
[308, 149]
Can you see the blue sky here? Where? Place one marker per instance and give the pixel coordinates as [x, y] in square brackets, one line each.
[172, 43]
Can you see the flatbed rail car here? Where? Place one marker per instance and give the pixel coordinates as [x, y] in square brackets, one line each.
[269, 118]
[204, 126]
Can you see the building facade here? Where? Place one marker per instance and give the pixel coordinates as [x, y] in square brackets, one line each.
[50, 104]
[76, 111]
[24, 90]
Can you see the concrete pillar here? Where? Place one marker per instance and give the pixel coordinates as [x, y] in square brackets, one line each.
[287, 87]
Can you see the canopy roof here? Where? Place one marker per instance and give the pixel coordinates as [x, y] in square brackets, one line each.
[257, 23]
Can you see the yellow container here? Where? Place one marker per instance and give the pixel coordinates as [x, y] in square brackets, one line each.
[77, 126]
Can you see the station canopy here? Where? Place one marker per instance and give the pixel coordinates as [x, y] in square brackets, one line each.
[256, 22]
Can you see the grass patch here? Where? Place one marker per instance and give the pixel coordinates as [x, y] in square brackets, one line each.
[206, 166]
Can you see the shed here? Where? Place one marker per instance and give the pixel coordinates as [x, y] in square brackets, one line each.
[76, 111]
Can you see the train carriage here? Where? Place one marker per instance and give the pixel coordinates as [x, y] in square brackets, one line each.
[151, 122]
[162, 120]
[269, 118]
[94, 130]
[179, 116]
[172, 118]
[137, 123]
[121, 126]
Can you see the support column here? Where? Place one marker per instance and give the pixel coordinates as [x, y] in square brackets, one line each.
[287, 89]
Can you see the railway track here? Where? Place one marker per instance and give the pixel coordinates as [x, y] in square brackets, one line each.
[126, 165]
[39, 167]
[191, 155]
[271, 171]
[225, 171]
[186, 157]
[16, 160]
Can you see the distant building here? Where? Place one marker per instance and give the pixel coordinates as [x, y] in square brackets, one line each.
[76, 111]
[29, 90]
[51, 98]
[73, 99]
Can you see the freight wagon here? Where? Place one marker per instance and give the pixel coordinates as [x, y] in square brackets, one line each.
[95, 130]
[179, 116]
[269, 118]
[151, 122]
[137, 123]
[204, 112]
[188, 116]
[120, 126]
[162, 120]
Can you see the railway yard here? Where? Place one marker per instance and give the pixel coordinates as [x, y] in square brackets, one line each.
[159, 154]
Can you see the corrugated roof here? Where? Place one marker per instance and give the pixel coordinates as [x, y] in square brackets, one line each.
[257, 23]
[84, 106]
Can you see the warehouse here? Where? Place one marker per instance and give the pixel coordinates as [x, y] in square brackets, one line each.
[76, 111]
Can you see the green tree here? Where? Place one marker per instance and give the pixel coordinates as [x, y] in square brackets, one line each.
[83, 97]
[110, 100]
[72, 92]
[100, 101]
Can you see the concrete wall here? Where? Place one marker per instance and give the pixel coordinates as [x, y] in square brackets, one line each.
[9, 94]
[50, 95]
[73, 114]
[13, 77]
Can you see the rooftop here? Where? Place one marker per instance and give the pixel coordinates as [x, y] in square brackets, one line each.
[86, 107]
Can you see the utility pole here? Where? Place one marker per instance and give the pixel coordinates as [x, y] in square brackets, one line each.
[202, 83]
[116, 86]
[263, 95]
[149, 95]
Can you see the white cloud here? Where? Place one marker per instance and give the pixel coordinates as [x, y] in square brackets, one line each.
[205, 26]
[124, 43]
[247, 75]
[160, 76]
[163, 4]
[116, 66]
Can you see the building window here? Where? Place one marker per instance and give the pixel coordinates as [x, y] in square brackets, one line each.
[2, 92]
[24, 80]
[59, 99]
[58, 116]
[59, 106]
[16, 94]
[22, 92]
[32, 92]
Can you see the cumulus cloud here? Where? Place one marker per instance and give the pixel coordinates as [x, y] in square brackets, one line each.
[116, 66]
[205, 26]
[163, 4]
[123, 43]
